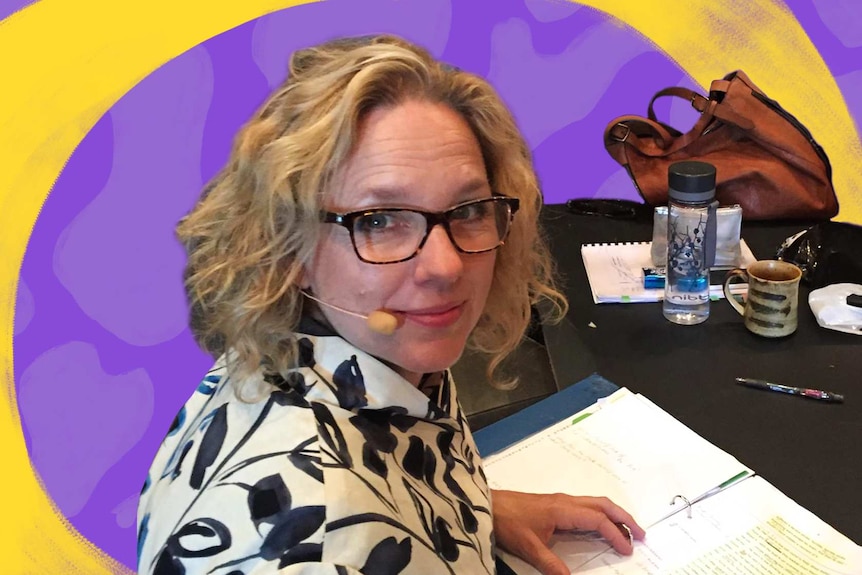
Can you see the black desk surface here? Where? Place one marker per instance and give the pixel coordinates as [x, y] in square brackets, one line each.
[810, 450]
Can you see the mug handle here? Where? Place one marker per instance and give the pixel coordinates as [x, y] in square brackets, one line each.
[731, 275]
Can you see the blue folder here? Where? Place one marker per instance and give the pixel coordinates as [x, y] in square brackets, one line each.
[542, 414]
[537, 417]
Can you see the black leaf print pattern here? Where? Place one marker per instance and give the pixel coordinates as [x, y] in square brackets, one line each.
[293, 528]
[268, 500]
[470, 460]
[209, 384]
[436, 527]
[399, 418]
[446, 397]
[143, 531]
[306, 353]
[307, 461]
[178, 421]
[289, 397]
[424, 510]
[413, 462]
[168, 565]
[378, 439]
[434, 412]
[418, 496]
[302, 553]
[389, 557]
[296, 381]
[178, 467]
[374, 427]
[349, 384]
[446, 545]
[471, 524]
[361, 518]
[444, 445]
[147, 484]
[373, 462]
[430, 466]
[210, 446]
[331, 434]
[203, 537]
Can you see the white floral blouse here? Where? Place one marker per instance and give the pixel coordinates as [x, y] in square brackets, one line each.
[346, 468]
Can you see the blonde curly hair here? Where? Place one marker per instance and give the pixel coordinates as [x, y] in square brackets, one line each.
[257, 221]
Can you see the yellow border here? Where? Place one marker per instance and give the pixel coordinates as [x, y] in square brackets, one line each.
[66, 63]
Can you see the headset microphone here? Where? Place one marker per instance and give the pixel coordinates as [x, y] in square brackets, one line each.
[380, 321]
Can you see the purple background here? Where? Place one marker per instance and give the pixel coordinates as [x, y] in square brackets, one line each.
[103, 358]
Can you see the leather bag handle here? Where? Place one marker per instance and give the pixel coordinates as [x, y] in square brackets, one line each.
[652, 138]
[698, 101]
[717, 90]
[648, 137]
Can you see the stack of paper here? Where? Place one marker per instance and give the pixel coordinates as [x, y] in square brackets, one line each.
[630, 450]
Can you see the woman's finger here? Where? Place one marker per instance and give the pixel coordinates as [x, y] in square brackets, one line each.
[599, 514]
[536, 553]
[613, 512]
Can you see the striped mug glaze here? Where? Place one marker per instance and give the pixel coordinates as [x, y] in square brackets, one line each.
[771, 305]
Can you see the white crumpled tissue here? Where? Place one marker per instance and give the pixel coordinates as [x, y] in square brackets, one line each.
[829, 306]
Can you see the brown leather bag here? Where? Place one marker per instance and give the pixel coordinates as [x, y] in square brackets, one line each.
[765, 160]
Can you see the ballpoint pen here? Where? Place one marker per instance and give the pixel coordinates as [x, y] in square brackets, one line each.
[801, 391]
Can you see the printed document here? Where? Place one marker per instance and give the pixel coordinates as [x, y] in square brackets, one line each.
[704, 511]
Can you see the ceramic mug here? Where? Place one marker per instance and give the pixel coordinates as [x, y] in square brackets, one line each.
[771, 305]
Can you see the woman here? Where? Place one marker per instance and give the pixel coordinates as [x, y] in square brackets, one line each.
[376, 216]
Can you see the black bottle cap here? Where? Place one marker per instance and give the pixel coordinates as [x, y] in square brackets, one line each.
[691, 181]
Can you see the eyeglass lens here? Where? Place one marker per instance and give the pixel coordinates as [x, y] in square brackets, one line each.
[391, 235]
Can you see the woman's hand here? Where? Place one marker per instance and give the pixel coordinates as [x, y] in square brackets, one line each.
[524, 523]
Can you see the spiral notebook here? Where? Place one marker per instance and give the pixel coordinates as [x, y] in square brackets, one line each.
[615, 272]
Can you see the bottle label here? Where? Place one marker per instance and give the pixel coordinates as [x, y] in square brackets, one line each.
[687, 280]
[687, 298]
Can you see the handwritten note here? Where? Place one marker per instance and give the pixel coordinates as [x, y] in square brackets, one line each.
[621, 453]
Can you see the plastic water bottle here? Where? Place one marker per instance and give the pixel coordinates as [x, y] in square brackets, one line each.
[690, 241]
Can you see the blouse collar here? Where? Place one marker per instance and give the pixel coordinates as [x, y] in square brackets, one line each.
[332, 370]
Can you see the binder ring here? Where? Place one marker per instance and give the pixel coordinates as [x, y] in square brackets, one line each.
[687, 504]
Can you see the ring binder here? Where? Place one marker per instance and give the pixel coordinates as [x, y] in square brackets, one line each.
[626, 449]
[687, 503]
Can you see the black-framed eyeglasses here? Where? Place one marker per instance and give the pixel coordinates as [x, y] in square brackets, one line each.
[392, 235]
